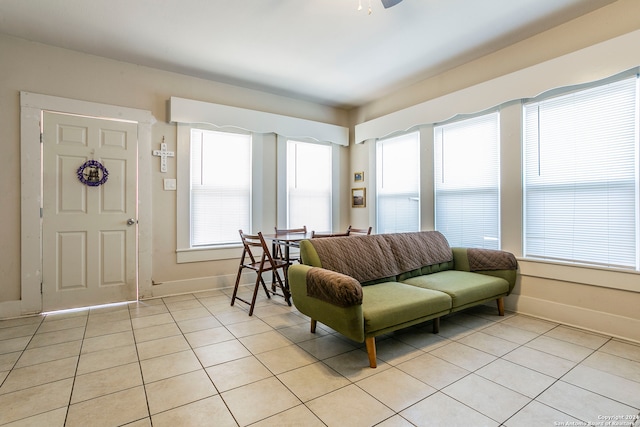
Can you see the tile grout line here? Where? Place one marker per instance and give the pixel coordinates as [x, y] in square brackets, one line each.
[500, 423]
[75, 376]
[144, 387]
[440, 390]
[200, 362]
[276, 376]
[391, 363]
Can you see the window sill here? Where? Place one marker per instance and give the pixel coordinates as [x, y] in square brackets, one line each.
[210, 253]
[626, 280]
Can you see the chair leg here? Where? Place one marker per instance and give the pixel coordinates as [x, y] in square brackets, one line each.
[314, 322]
[277, 254]
[264, 286]
[235, 288]
[436, 325]
[255, 294]
[371, 351]
[500, 302]
[281, 284]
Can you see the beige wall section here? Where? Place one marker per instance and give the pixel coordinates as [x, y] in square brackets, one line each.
[620, 17]
[359, 217]
[600, 309]
[41, 69]
[598, 300]
[37, 68]
[344, 209]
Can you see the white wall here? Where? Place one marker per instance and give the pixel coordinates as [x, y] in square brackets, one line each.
[37, 68]
[610, 21]
[581, 297]
[595, 299]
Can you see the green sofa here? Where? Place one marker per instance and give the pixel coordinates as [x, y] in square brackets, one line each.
[365, 286]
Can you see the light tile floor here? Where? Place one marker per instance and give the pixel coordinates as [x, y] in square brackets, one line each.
[192, 360]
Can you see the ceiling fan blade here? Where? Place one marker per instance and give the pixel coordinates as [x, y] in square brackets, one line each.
[388, 3]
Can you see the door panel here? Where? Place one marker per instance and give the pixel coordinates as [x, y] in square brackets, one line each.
[113, 257]
[71, 199]
[114, 196]
[71, 260]
[89, 251]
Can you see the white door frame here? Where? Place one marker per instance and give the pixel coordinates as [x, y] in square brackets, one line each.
[31, 107]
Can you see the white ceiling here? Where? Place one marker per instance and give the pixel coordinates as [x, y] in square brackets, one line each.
[320, 50]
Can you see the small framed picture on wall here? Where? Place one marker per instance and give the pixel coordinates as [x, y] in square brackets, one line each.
[358, 197]
[358, 176]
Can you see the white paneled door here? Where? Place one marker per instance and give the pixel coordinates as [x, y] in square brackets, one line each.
[89, 229]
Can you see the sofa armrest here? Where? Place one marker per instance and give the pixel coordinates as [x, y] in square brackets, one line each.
[487, 261]
[348, 320]
[333, 287]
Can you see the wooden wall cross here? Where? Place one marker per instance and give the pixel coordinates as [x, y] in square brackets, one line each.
[163, 154]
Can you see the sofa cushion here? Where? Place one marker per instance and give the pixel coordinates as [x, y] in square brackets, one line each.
[391, 303]
[427, 269]
[463, 287]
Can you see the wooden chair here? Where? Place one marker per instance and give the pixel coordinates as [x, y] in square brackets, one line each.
[352, 230]
[278, 250]
[303, 229]
[315, 235]
[260, 264]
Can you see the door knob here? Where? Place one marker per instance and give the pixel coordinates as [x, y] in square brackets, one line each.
[131, 221]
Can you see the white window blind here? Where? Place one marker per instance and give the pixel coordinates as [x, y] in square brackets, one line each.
[581, 176]
[309, 185]
[467, 181]
[398, 184]
[220, 187]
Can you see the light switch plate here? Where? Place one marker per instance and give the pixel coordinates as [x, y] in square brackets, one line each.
[169, 184]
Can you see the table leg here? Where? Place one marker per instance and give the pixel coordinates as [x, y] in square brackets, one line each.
[287, 258]
[273, 273]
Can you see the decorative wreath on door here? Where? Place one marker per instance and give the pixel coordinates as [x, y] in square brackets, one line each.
[92, 173]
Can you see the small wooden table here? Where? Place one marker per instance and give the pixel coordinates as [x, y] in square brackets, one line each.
[287, 240]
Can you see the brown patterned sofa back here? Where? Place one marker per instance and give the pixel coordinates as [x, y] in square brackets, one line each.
[375, 258]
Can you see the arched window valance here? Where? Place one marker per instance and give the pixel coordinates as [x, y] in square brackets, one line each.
[583, 66]
[191, 111]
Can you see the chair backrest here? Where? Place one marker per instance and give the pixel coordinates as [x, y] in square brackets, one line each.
[302, 229]
[254, 241]
[318, 235]
[352, 230]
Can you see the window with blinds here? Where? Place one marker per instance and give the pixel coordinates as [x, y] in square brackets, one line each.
[581, 176]
[398, 184]
[467, 181]
[220, 187]
[309, 185]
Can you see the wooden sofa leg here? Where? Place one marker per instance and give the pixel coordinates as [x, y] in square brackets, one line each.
[371, 351]
[500, 302]
[313, 325]
[436, 325]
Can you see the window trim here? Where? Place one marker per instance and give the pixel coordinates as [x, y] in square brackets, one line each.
[582, 274]
[438, 127]
[281, 181]
[287, 188]
[184, 252]
[377, 159]
[568, 265]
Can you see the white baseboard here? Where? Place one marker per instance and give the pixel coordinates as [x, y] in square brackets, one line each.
[626, 328]
[10, 309]
[198, 284]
